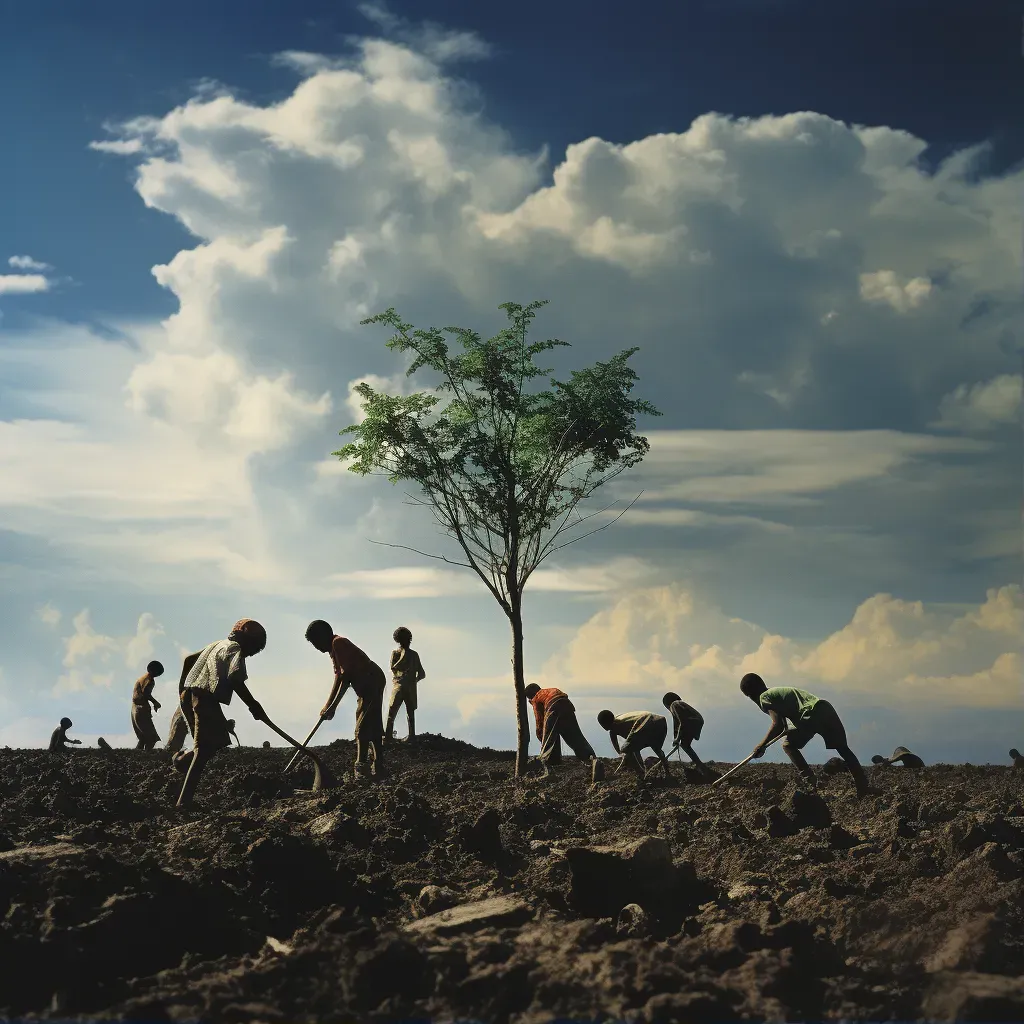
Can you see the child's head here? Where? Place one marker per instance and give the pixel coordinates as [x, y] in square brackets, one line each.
[65, 723]
[670, 698]
[249, 635]
[605, 719]
[1015, 752]
[531, 691]
[231, 725]
[266, 744]
[877, 759]
[320, 634]
[154, 668]
[403, 636]
[752, 686]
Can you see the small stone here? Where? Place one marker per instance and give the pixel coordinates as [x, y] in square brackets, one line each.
[435, 898]
[633, 922]
[497, 912]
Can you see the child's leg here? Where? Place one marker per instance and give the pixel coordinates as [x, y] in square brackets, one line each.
[664, 762]
[195, 770]
[412, 721]
[859, 776]
[397, 699]
[791, 745]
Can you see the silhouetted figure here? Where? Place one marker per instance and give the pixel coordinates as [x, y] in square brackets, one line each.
[899, 756]
[177, 730]
[216, 673]
[231, 731]
[353, 668]
[687, 723]
[142, 714]
[810, 716]
[1018, 761]
[103, 744]
[406, 672]
[59, 740]
[555, 717]
[639, 729]
[266, 744]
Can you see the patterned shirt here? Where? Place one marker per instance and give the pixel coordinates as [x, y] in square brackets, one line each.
[217, 667]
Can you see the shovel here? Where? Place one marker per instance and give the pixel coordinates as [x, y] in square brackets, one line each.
[322, 778]
[305, 742]
[749, 757]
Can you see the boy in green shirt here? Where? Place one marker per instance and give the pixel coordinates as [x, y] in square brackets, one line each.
[809, 716]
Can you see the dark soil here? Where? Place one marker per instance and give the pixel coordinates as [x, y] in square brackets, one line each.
[678, 902]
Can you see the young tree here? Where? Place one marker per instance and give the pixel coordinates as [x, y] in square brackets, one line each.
[502, 467]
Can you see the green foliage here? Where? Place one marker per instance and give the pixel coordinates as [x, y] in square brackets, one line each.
[502, 463]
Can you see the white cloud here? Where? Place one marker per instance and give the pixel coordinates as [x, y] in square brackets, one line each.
[119, 147]
[23, 284]
[977, 408]
[93, 659]
[892, 651]
[27, 263]
[50, 615]
[883, 287]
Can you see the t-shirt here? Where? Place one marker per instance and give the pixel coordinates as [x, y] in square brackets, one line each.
[217, 664]
[684, 716]
[543, 701]
[633, 722]
[789, 702]
[406, 666]
[356, 668]
[142, 689]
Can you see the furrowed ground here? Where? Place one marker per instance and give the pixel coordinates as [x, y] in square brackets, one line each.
[748, 900]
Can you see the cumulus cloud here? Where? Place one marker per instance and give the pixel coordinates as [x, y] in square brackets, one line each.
[50, 615]
[93, 659]
[977, 408]
[884, 288]
[27, 263]
[891, 651]
[23, 284]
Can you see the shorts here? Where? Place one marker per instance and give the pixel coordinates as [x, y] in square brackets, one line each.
[823, 721]
[205, 717]
[403, 693]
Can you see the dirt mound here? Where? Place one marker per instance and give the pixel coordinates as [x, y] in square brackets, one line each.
[448, 891]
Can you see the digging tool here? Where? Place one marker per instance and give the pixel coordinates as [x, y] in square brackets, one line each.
[312, 733]
[322, 778]
[749, 757]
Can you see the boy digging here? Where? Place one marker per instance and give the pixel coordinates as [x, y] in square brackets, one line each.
[687, 724]
[555, 717]
[406, 672]
[60, 739]
[210, 678]
[639, 729]
[142, 715]
[352, 667]
[809, 716]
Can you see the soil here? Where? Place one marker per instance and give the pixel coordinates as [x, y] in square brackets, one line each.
[447, 891]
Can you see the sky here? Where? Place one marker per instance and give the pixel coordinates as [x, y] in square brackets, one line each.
[806, 217]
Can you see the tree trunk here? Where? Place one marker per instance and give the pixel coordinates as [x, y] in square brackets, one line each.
[522, 719]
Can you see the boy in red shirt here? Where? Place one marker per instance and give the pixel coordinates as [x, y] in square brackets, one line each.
[352, 667]
[556, 721]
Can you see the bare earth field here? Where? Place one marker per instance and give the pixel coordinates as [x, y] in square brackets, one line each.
[447, 892]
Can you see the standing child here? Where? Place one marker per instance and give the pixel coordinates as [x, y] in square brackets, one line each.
[142, 698]
[406, 672]
[217, 672]
[639, 729]
[810, 717]
[59, 740]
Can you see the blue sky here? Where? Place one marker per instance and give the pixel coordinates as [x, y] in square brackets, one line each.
[808, 219]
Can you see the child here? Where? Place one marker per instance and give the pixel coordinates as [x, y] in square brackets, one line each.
[901, 755]
[555, 717]
[810, 717]
[639, 729]
[142, 716]
[352, 667]
[217, 673]
[1018, 761]
[687, 725]
[59, 740]
[406, 672]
